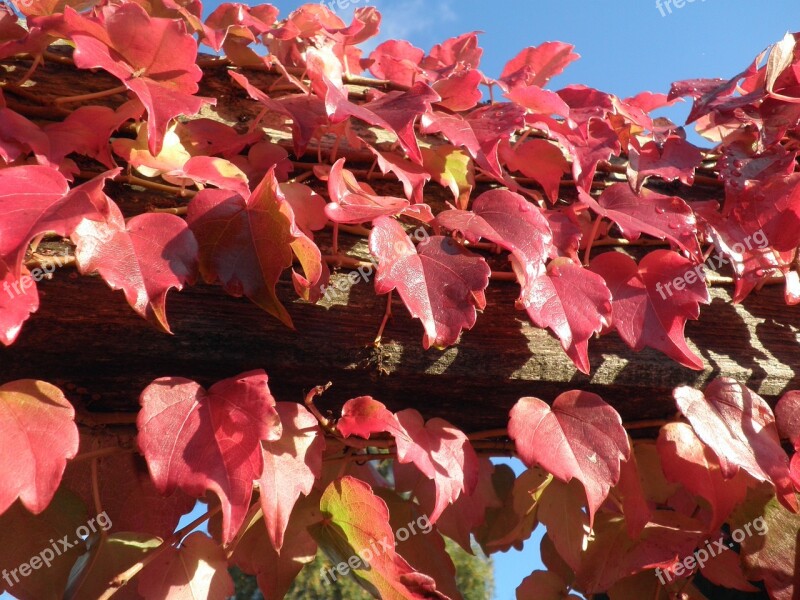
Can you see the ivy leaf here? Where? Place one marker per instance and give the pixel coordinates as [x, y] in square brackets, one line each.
[36, 199]
[199, 440]
[540, 160]
[452, 168]
[364, 416]
[511, 222]
[542, 585]
[153, 57]
[354, 524]
[771, 554]
[17, 303]
[674, 159]
[560, 509]
[396, 61]
[291, 465]
[197, 569]
[127, 494]
[580, 436]
[276, 571]
[440, 283]
[30, 535]
[573, 302]
[107, 558]
[738, 425]
[646, 310]
[686, 460]
[537, 65]
[145, 257]
[247, 243]
[37, 436]
[442, 453]
[353, 202]
[612, 555]
[663, 217]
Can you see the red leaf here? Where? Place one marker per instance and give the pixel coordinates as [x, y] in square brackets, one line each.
[539, 160]
[440, 283]
[612, 555]
[454, 53]
[738, 425]
[634, 502]
[412, 176]
[153, 57]
[197, 569]
[573, 302]
[21, 301]
[275, 572]
[686, 460]
[460, 90]
[787, 417]
[663, 217]
[646, 311]
[291, 465]
[37, 436]
[537, 65]
[247, 244]
[725, 569]
[580, 436]
[674, 159]
[127, 494]
[353, 202]
[511, 222]
[20, 136]
[442, 453]
[365, 416]
[542, 585]
[37, 199]
[199, 440]
[145, 257]
[396, 60]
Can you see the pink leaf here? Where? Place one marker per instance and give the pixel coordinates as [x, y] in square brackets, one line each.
[199, 440]
[145, 257]
[738, 425]
[580, 436]
[573, 302]
[37, 436]
[153, 57]
[291, 465]
[537, 65]
[646, 310]
[440, 283]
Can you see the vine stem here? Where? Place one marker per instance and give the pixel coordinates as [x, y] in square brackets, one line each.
[93, 96]
[324, 422]
[124, 577]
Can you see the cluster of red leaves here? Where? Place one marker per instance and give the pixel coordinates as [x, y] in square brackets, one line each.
[614, 510]
[248, 223]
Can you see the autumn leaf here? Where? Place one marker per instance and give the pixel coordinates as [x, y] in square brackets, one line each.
[199, 440]
[440, 283]
[153, 57]
[37, 436]
[580, 436]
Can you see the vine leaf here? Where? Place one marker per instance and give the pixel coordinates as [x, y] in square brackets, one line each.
[687, 460]
[440, 283]
[153, 57]
[580, 436]
[291, 465]
[37, 436]
[354, 523]
[247, 243]
[738, 425]
[573, 302]
[196, 569]
[199, 440]
[145, 257]
[647, 312]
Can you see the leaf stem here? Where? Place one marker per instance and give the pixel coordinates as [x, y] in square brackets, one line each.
[92, 96]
